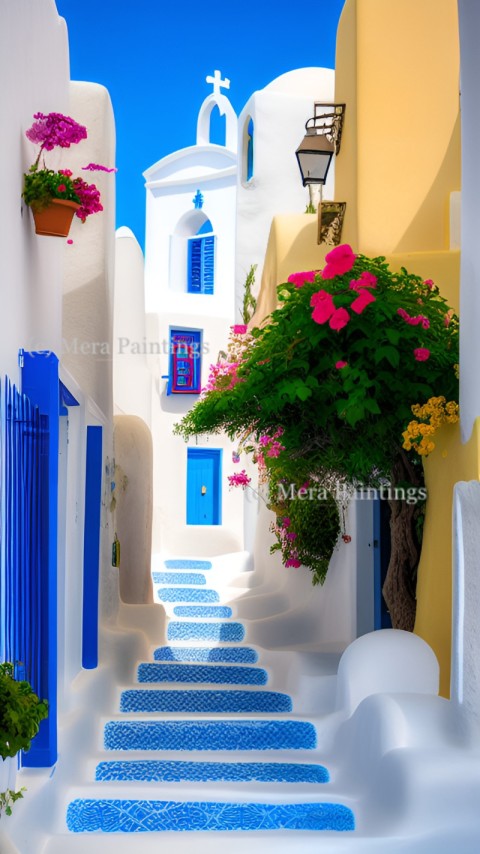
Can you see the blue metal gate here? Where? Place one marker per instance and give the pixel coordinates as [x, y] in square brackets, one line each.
[25, 545]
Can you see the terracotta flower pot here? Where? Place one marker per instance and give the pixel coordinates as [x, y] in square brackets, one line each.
[56, 219]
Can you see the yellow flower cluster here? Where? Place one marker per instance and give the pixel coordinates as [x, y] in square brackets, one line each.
[433, 413]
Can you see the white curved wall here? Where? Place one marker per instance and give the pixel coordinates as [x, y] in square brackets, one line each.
[131, 377]
[279, 112]
[469, 21]
[34, 70]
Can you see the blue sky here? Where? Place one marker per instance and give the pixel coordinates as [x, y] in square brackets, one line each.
[153, 57]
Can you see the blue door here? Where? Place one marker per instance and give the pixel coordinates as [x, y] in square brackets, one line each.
[381, 558]
[91, 550]
[204, 486]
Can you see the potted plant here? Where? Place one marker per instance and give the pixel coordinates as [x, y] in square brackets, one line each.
[56, 196]
[20, 714]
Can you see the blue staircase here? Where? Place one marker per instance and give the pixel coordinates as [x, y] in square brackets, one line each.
[204, 650]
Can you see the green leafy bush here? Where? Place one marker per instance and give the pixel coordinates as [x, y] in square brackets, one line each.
[337, 369]
[20, 712]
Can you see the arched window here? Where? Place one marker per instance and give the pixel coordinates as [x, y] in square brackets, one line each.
[218, 127]
[248, 137]
[201, 261]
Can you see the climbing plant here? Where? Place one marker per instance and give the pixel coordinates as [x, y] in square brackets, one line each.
[337, 369]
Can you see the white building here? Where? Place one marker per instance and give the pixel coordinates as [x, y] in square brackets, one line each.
[189, 301]
[271, 126]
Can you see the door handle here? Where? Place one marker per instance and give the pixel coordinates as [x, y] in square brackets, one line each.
[203, 490]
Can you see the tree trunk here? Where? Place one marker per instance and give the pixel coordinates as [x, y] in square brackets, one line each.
[401, 579]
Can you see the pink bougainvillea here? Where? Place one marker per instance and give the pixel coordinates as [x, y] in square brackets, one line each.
[341, 364]
[239, 329]
[421, 354]
[360, 303]
[323, 306]
[366, 280]
[97, 167]
[339, 319]
[418, 320]
[339, 261]
[54, 129]
[240, 478]
[299, 279]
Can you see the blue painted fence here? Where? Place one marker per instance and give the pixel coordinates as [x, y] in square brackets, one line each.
[25, 522]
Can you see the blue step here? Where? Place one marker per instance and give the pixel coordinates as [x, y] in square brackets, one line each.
[206, 631]
[188, 564]
[206, 653]
[236, 772]
[178, 578]
[217, 673]
[185, 594]
[138, 816]
[210, 735]
[148, 700]
[213, 611]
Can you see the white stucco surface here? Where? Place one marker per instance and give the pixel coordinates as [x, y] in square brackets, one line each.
[469, 21]
[34, 70]
[279, 113]
[465, 682]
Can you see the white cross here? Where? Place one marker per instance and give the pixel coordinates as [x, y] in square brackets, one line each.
[218, 83]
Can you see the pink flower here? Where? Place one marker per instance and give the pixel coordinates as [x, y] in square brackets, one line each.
[62, 188]
[339, 319]
[429, 283]
[339, 365]
[293, 562]
[275, 450]
[239, 329]
[360, 303]
[324, 306]
[421, 354]
[70, 242]
[67, 172]
[366, 280]
[447, 319]
[96, 167]
[239, 479]
[291, 536]
[420, 319]
[286, 521]
[339, 261]
[55, 129]
[299, 279]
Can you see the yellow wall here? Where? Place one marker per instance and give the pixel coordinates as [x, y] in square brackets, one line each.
[397, 70]
[398, 73]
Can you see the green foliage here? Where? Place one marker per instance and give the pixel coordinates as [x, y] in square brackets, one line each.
[41, 186]
[312, 517]
[8, 798]
[249, 302]
[348, 421]
[338, 422]
[20, 712]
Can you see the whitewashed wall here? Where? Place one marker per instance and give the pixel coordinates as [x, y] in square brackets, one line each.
[279, 112]
[131, 376]
[171, 186]
[34, 70]
[469, 20]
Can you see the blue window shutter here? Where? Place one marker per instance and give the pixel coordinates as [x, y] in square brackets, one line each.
[201, 265]
[250, 150]
[195, 266]
[208, 264]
